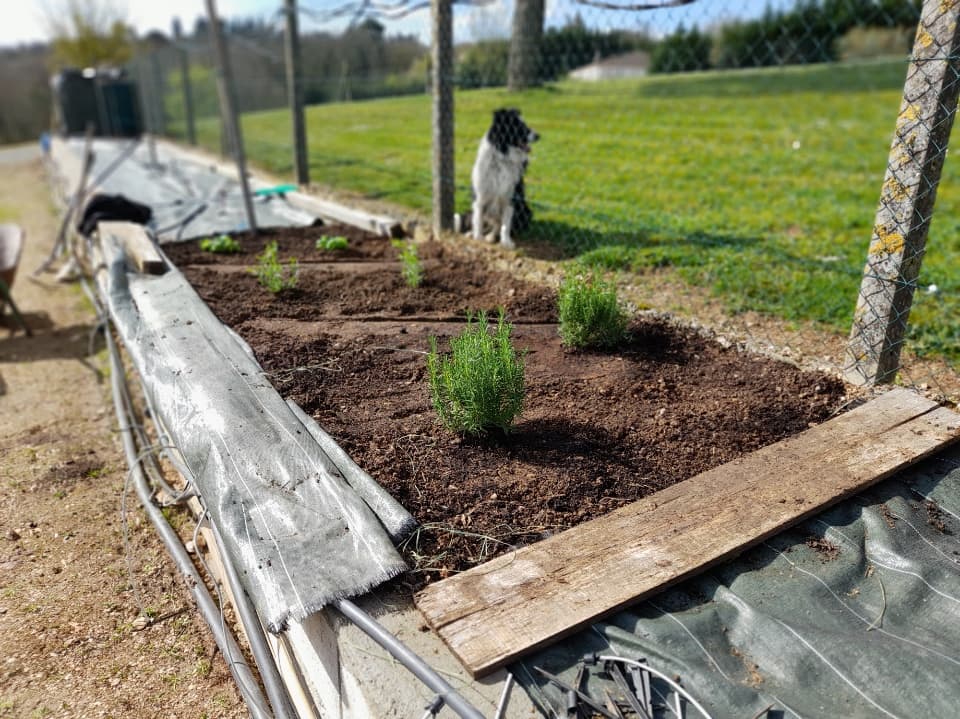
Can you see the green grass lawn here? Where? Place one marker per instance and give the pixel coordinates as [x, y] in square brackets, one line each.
[760, 185]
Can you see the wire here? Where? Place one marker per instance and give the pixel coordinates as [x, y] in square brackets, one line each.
[391, 11]
[636, 6]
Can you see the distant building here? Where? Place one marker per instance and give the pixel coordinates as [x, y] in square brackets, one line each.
[630, 64]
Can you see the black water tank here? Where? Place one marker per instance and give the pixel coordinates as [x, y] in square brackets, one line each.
[75, 101]
[107, 99]
[119, 107]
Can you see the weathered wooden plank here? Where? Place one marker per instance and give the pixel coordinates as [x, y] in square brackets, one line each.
[494, 613]
[137, 245]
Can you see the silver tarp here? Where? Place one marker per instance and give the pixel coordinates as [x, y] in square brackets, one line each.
[189, 198]
[292, 523]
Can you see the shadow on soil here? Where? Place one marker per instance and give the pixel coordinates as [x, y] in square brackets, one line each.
[548, 442]
[36, 321]
[67, 343]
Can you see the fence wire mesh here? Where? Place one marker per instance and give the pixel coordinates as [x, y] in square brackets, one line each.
[723, 158]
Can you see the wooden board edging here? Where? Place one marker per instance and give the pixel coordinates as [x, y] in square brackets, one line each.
[495, 613]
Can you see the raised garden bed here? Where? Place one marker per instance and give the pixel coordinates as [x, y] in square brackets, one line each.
[599, 429]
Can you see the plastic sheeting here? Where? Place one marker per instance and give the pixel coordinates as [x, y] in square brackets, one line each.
[855, 613]
[298, 533]
[189, 199]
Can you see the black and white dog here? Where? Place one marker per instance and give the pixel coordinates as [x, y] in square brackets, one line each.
[499, 199]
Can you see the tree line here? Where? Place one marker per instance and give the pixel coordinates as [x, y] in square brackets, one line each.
[812, 31]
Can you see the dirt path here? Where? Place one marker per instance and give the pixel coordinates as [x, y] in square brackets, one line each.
[70, 585]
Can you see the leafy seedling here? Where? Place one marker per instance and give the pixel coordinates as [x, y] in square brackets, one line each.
[271, 273]
[221, 245]
[410, 266]
[332, 243]
[479, 386]
[590, 313]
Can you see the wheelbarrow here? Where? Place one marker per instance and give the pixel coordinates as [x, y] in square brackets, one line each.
[11, 245]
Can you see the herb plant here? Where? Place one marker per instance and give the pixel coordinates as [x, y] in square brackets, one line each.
[332, 243]
[221, 245]
[479, 386]
[590, 314]
[410, 266]
[271, 273]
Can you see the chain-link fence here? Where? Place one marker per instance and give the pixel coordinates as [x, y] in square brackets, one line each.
[725, 157]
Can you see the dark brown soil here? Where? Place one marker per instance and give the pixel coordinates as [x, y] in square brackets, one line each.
[598, 429]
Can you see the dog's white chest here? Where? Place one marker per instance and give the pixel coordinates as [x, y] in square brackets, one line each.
[495, 174]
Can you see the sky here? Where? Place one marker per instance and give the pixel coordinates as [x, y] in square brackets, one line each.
[25, 22]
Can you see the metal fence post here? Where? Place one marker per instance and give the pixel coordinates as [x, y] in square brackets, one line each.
[441, 57]
[146, 104]
[157, 77]
[228, 108]
[907, 198]
[295, 94]
[184, 58]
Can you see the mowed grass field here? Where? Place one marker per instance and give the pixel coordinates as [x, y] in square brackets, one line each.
[760, 185]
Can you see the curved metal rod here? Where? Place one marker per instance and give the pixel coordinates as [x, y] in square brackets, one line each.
[403, 654]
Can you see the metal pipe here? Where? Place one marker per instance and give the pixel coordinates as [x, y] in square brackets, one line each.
[403, 654]
[228, 646]
[276, 690]
[504, 697]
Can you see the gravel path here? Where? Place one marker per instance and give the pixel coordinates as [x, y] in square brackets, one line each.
[70, 585]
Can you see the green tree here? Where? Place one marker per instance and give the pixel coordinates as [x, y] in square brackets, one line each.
[88, 33]
[683, 51]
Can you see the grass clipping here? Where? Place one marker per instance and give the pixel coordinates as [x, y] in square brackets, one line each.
[479, 386]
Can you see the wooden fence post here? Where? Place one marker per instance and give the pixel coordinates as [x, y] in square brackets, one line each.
[441, 56]
[295, 94]
[906, 201]
[228, 109]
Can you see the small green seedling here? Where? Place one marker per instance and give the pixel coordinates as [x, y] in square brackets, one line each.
[410, 266]
[221, 245]
[332, 243]
[590, 314]
[479, 386]
[271, 274]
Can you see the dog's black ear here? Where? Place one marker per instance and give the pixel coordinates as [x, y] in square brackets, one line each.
[498, 135]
